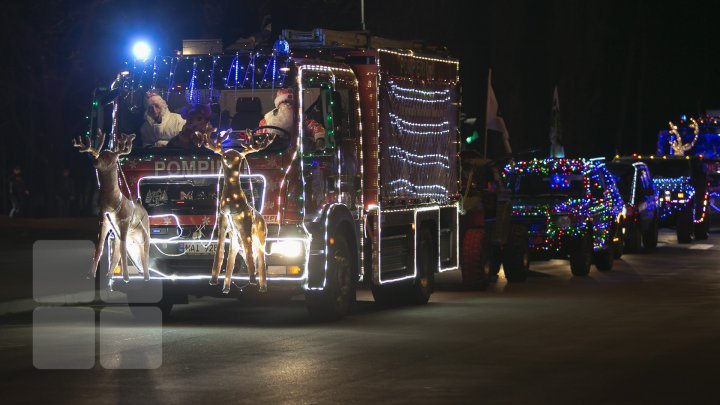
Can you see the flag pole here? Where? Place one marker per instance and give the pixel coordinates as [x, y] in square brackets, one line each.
[486, 139]
[487, 101]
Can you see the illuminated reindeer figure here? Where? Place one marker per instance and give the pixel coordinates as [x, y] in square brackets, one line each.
[237, 217]
[676, 143]
[127, 219]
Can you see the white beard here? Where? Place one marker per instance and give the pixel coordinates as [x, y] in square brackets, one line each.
[282, 117]
[163, 114]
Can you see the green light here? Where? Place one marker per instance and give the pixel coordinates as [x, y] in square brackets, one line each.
[472, 138]
[95, 104]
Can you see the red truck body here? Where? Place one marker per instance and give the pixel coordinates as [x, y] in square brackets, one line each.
[385, 188]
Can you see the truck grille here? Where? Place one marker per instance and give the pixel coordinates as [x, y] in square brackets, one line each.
[194, 195]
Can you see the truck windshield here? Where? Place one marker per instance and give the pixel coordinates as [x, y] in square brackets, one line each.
[669, 168]
[551, 185]
[238, 110]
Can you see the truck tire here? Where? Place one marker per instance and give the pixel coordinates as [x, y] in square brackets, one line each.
[581, 253]
[515, 256]
[426, 262]
[333, 302]
[650, 236]
[386, 295]
[605, 258]
[684, 225]
[633, 238]
[702, 228]
[475, 261]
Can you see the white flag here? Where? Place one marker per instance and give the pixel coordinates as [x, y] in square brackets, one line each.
[556, 140]
[493, 118]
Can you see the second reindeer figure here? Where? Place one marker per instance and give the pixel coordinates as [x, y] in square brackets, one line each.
[236, 217]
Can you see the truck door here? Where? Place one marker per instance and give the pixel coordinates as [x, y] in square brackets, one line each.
[331, 173]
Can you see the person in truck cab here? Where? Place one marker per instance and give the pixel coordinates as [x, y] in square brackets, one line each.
[283, 116]
[197, 120]
[160, 124]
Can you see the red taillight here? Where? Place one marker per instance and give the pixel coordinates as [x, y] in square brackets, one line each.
[630, 211]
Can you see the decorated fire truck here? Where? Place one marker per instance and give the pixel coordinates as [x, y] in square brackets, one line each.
[374, 204]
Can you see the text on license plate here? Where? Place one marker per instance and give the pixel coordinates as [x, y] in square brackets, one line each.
[197, 248]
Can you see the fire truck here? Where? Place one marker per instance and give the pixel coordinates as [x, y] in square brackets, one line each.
[377, 207]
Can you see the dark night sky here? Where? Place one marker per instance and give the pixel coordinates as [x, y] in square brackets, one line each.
[623, 68]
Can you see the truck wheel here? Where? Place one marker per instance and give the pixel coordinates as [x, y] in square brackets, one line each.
[605, 258]
[633, 238]
[581, 255]
[702, 228]
[684, 225]
[495, 261]
[426, 263]
[650, 236]
[333, 302]
[475, 261]
[386, 295]
[515, 256]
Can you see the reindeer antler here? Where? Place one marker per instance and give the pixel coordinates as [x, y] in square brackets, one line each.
[124, 144]
[694, 125]
[256, 146]
[214, 145]
[85, 144]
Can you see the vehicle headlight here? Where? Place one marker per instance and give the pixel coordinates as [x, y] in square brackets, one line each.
[563, 221]
[287, 248]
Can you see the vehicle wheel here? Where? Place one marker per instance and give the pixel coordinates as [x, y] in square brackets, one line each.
[581, 255]
[633, 237]
[475, 266]
[684, 225]
[605, 258]
[618, 243]
[702, 228]
[650, 236]
[333, 302]
[387, 295]
[495, 261]
[426, 263]
[515, 257]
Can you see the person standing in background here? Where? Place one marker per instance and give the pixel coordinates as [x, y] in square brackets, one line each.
[18, 193]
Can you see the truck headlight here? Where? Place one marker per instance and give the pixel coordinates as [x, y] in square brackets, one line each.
[563, 221]
[287, 248]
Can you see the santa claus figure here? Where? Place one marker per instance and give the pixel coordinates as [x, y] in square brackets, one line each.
[283, 116]
[160, 124]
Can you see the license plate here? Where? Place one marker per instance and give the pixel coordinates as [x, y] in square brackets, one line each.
[197, 248]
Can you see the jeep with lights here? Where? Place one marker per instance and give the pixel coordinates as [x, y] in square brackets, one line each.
[571, 208]
[642, 216]
[682, 185]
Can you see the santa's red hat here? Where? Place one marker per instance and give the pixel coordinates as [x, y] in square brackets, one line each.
[283, 95]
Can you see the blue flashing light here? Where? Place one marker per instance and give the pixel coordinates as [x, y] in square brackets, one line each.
[141, 50]
[282, 47]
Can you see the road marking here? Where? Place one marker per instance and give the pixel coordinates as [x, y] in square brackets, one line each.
[701, 246]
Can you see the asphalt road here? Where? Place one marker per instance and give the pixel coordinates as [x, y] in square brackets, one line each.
[646, 332]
